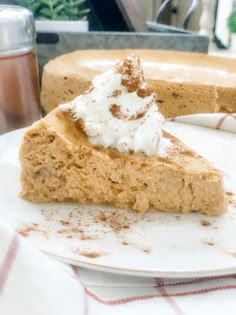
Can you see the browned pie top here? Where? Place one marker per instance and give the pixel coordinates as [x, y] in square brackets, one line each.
[157, 64]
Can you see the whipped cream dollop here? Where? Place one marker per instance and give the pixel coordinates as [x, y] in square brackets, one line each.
[118, 111]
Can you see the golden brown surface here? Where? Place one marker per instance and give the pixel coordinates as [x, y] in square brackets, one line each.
[59, 164]
[185, 83]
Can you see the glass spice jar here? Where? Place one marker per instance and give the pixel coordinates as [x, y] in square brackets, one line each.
[19, 83]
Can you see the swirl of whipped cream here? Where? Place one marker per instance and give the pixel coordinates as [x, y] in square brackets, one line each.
[118, 111]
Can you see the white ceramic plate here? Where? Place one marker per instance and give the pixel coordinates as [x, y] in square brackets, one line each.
[108, 239]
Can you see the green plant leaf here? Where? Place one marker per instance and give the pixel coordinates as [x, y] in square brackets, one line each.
[232, 22]
[78, 2]
[35, 6]
[84, 11]
[47, 3]
[59, 8]
[46, 12]
[56, 9]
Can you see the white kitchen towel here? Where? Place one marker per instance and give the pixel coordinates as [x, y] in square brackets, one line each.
[32, 283]
[220, 121]
[116, 294]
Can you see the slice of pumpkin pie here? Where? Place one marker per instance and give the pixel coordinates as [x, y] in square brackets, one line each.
[108, 146]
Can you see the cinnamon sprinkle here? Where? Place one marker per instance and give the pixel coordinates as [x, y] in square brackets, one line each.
[87, 253]
[80, 123]
[26, 230]
[205, 223]
[90, 254]
[64, 222]
[138, 116]
[125, 243]
[144, 92]
[132, 73]
[209, 243]
[116, 112]
[114, 221]
[232, 202]
[116, 93]
[147, 251]
[102, 217]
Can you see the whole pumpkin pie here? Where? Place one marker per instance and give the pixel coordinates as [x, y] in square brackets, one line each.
[185, 83]
[109, 146]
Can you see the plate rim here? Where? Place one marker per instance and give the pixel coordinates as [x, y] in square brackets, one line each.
[152, 273]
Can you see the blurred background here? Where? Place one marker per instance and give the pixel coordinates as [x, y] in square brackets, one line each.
[190, 25]
[174, 13]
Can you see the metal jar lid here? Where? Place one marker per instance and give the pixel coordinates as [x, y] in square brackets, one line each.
[17, 30]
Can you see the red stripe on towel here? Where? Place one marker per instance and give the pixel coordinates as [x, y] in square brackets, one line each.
[76, 275]
[162, 293]
[8, 261]
[172, 303]
[220, 123]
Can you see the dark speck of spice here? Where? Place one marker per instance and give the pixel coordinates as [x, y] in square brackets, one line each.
[26, 230]
[125, 243]
[205, 223]
[64, 222]
[208, 243]
[89, 254]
